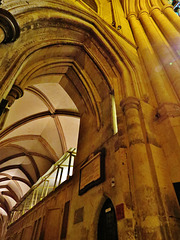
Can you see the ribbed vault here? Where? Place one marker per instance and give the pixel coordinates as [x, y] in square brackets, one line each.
[34, 137]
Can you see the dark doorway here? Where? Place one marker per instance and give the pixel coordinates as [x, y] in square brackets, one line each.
[107, 226]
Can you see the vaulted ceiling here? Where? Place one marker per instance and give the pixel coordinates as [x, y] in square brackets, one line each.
[40, 127]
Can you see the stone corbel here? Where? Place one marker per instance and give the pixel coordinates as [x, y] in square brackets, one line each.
[9, 28]
[168, 110]
[15, 93]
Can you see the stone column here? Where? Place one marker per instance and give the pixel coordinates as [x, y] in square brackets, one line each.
[170, 14]
[163, 50]
[147, 211]
[9, 29]
[167, 28]
[158, 78]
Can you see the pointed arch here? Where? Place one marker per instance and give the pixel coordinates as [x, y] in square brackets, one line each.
[107, 225]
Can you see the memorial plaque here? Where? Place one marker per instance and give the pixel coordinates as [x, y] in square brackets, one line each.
[92, 172]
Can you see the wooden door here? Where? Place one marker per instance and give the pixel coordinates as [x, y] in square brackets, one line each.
[107, 226]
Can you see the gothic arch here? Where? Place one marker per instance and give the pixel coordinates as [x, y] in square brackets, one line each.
[69, 48]
[111, 60]
[107, 224]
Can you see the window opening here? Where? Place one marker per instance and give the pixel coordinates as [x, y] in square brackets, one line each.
[176, 5]
[114, 114]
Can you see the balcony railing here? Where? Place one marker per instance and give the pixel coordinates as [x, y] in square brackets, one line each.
[56, 175]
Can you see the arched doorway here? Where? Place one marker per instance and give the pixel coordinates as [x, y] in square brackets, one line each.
[107, 225]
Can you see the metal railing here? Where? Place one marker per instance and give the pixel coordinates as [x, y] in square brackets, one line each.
[56, 175]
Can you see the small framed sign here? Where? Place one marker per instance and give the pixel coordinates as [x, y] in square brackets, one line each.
[92, 172]
[120, 211]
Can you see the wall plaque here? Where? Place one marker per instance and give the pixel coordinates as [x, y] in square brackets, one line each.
[120, 211]
[78, 215]
[92, 172]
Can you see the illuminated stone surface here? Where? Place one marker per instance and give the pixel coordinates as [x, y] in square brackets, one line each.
[70, 57]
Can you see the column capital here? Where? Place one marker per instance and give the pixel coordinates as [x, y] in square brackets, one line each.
[9, 26]
[167, 6]
[130, 102]
[15, 93]
[132, 14]
[154, 8]
[143, 12]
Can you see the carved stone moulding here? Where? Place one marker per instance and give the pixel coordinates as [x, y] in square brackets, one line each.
[9, 25]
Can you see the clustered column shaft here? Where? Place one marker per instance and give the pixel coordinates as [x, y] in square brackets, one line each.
[144, 192]
[163, 50]
[162, 89]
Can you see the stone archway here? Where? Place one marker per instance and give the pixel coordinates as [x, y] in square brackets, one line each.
[65, 57]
